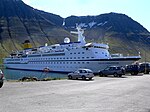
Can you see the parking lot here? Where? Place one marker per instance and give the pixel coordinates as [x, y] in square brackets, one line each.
[103, 94]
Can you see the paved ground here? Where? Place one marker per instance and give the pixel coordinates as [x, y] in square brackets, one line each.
[103, 94]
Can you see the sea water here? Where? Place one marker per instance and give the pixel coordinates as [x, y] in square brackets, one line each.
[11, 74]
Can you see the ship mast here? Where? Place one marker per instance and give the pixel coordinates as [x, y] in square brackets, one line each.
[80, 33]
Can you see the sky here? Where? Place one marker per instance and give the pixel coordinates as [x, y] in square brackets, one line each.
[139, 10]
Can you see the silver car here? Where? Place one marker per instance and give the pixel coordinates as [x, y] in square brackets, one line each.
[81, 73]
[1, 78]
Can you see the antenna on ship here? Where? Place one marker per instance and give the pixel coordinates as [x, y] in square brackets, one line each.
[80, 33]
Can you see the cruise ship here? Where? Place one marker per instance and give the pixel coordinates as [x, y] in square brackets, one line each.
[67, 56]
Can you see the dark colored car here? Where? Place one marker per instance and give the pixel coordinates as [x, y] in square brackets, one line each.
[117, 71]
[145, 68]
[132, 69]
[1, 78]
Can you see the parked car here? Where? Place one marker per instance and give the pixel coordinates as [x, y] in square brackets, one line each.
[132, 69]
[145, 68]
[81, 73]
[117, 71]
[1, 78]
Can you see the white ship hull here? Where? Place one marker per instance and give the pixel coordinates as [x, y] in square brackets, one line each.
[68, 66]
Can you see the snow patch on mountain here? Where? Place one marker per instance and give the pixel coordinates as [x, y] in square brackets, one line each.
[83, 25]
[91, 24]
[102, 24]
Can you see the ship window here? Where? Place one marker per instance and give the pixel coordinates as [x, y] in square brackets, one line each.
[67, 58]
[74, 57]
[82, 62]
[96, 52]
[87, 57]
[74, 62]
[78, 62]
[78, 57]
[70, 57]
[82, 57]
[87, 62]
[92, 57]
[70, 53]
[78, 52]
[74, 53]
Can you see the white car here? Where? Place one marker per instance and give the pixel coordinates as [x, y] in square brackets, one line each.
[81, 73]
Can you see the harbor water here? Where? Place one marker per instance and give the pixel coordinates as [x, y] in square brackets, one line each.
[11, 74]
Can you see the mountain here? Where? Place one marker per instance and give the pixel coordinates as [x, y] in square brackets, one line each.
[20, 22]
[122, 33]
[110, 22]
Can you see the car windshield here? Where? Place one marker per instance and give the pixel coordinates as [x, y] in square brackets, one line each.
[107, 68]
[118, 68]
[76, 71]
[89, 71]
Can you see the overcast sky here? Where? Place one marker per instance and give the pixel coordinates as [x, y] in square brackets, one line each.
[139, 10]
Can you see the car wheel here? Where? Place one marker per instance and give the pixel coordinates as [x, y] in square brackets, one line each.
[69, 77]
[101, 74]
[135, 73]
[115, 74]
[1, 84]
[83, 77]
[132, 73]
[120, 75]
[90, 78]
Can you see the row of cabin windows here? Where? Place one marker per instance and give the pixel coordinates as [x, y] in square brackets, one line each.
[65, 67]
[37, 59]
[56, 58]
[60, 58]
[77, 53]
[59, 62]
[83, 53]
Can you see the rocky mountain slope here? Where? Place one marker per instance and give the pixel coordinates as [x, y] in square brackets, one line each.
[121, 32]
[19, 22]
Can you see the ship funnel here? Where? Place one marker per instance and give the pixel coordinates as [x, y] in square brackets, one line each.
[27, 44]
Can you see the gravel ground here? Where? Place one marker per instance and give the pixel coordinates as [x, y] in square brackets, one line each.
[103, 94]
